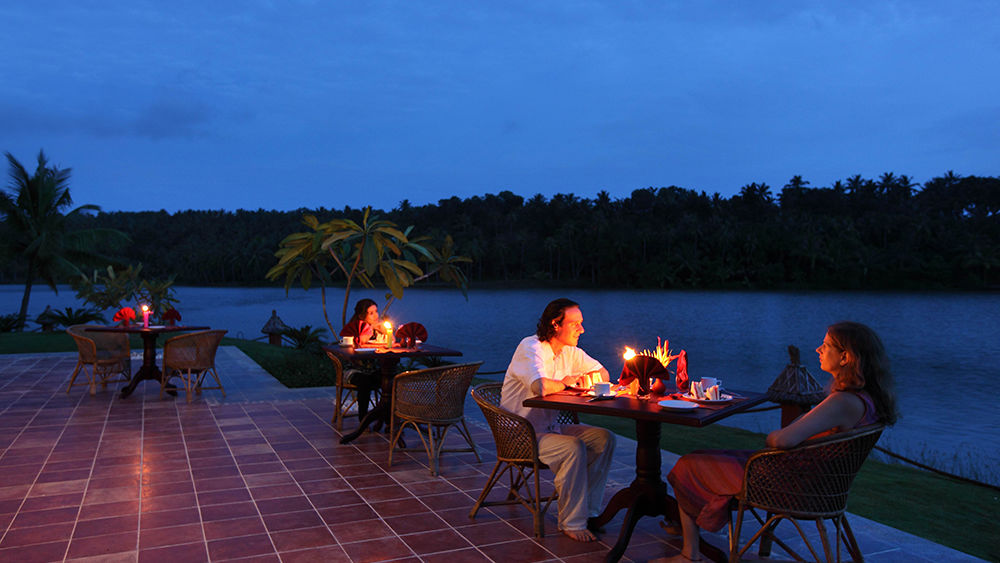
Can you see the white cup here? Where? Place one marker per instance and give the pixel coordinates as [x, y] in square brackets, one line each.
[347, 340]
[602, 388]
[707, 382]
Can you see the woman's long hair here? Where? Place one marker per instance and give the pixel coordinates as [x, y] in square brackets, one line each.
[361, 310]
[868, 367]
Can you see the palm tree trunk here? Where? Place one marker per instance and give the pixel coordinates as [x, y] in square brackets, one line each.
[23, 314]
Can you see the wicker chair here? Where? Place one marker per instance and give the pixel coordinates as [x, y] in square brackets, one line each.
[191, 357]
[517, 456]
[431, 399]
[106, 354]
[808, 482]
[347, 392]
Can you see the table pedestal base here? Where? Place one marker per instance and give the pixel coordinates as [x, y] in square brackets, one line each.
[645, 496]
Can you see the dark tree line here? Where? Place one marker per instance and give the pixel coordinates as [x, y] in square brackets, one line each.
[884, 233]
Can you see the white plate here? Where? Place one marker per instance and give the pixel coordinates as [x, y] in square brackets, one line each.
[724, 398]
[593, 393]
[677, 405]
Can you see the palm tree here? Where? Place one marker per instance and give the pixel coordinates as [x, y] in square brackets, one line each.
[38, 229]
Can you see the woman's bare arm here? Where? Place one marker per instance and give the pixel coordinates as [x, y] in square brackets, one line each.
[838, 410]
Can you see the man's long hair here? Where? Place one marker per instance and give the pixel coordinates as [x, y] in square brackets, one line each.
[551, 316]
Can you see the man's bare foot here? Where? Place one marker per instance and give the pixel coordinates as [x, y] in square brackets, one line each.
[580, 535]
[681, 558]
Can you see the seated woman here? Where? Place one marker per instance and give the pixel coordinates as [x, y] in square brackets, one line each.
[861, 394]
[364, 327]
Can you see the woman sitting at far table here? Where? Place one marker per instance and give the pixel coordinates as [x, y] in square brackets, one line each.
[705, 481]
[364, 327]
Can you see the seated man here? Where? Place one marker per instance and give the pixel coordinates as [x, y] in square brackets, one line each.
[580, 455]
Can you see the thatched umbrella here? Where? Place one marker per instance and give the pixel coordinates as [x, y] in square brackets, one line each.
[274, 328]
[795, 389]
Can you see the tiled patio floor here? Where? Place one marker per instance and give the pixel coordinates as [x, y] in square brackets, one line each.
[260, 476]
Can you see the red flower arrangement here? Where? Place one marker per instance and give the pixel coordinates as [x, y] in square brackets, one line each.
[125, 315]
[171, 316]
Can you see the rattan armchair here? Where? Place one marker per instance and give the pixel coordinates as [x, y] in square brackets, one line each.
[808, 482]
[191, 357]
[103, 356]
[432, 401]
[517, 456]
[347, 393]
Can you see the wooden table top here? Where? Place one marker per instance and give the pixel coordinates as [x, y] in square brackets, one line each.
[423, 351]
[627, 406]
[138, 328]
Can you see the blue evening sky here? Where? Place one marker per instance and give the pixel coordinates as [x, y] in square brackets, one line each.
[214, 104]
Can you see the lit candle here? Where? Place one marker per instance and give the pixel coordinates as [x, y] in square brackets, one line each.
[388, 332]
[629, 354]
[145, 316]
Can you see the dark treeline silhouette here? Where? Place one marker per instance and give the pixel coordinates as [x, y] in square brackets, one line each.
[884, 233]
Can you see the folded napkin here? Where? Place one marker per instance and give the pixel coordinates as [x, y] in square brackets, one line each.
[683, 383]
[125, 314]
[171, 316]
[644, 369]
[409, 333]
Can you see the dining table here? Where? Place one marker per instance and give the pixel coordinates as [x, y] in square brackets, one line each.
[149, 335]
[647, 494]
[388, 359]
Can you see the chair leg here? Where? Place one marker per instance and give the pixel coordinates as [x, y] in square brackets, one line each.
[492, 480]
[539, 514]
[764, 549]
[464, 430]
[826, 540]
[849, 541]
[79, 366]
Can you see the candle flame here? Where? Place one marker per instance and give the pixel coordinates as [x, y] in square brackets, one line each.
[145, 308]
[387, 324]
[629, 354]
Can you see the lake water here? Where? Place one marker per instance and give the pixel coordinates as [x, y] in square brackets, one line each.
[943, 346]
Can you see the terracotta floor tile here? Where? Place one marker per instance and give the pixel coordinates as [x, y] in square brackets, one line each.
[120, 557]
[113, 482]
[361, 530]
[174, 535]
[244, 546]
[61, 487]
[166, 518]
[286, 504]
[218, 483]
[187, 553]
[39, 552]
[335, 498]
[471, 555]
[413, 523]
[490, 532]
[228, 511]
[102, 545]
[275, 491]
[91, 511]
[433, 542]
[313, 462]
[101, 496]
[521, 551]
[168, 502]
[292, 520]
[377, 550]
[36, 534]
[246, 526]
[105, 526]
[323, 486]
[290, 540]
[42, 517]
[448, 500]
[223, 497]
[341, 515]
[329, 554]
[161, 477]
[264, 479]
[167, 489]
[399, 507]
[52, 501]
